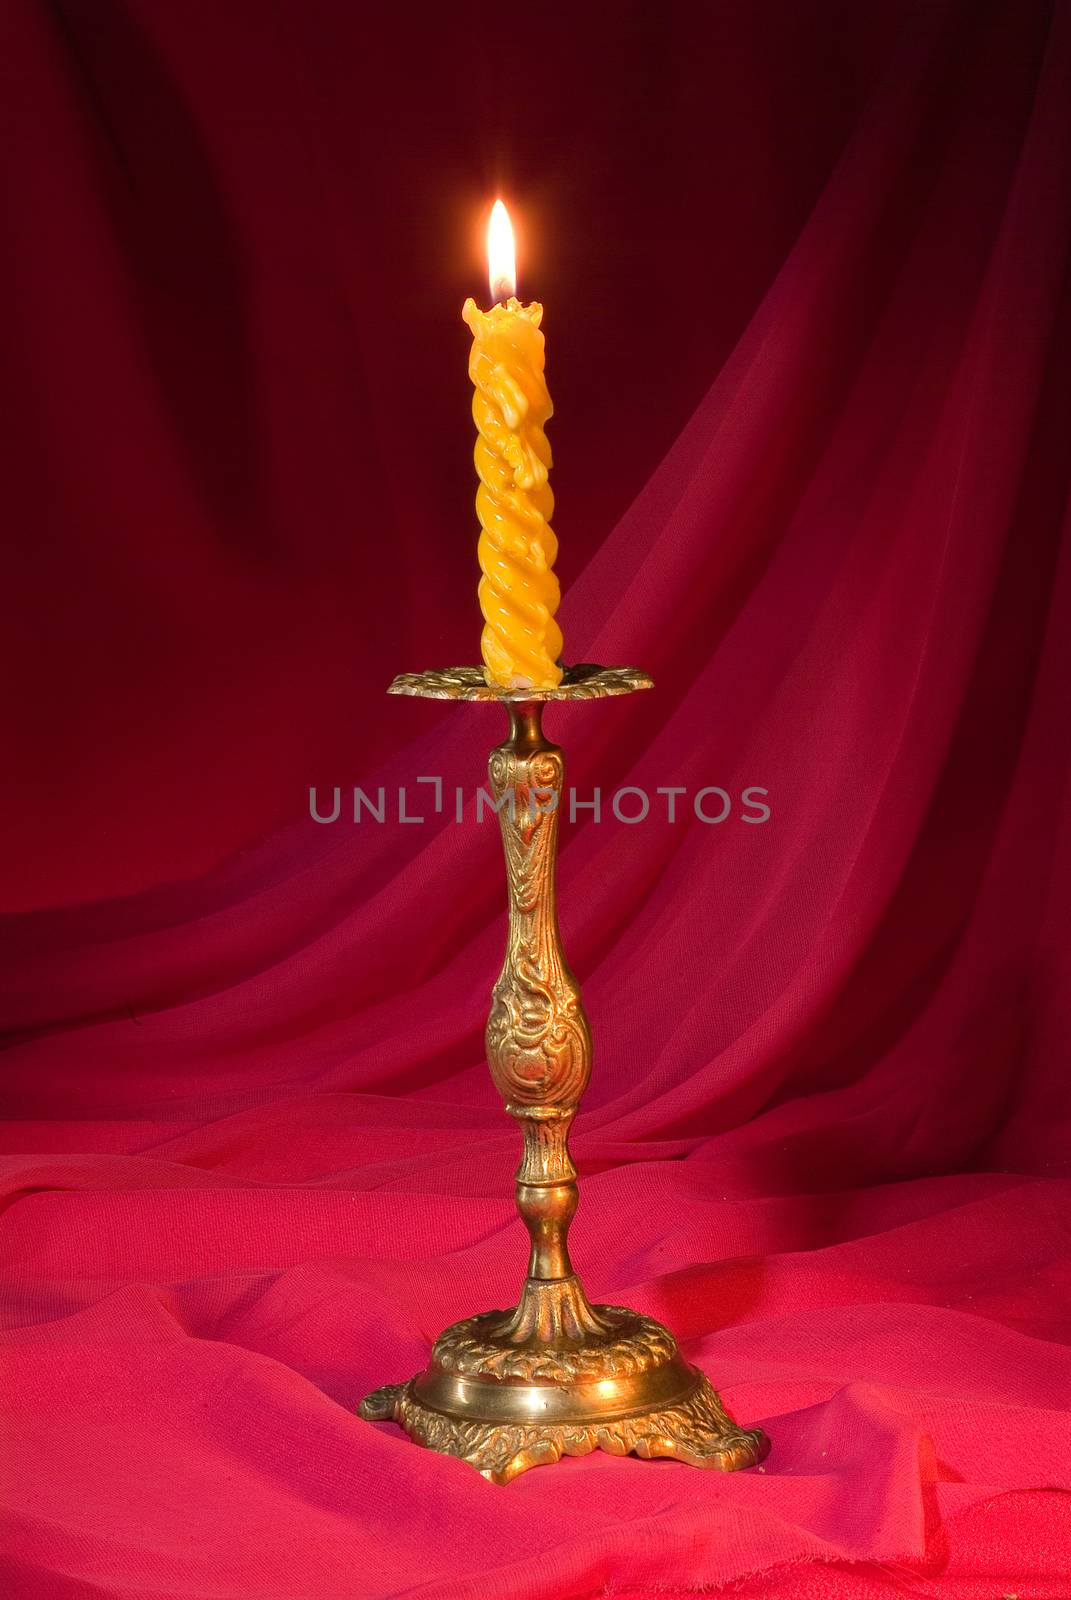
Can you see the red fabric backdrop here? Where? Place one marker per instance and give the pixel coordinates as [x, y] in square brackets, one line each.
[809, 335]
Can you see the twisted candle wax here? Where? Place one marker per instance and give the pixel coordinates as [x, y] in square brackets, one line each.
[519, 593]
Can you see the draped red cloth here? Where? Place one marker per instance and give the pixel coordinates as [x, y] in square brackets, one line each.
[805, 269]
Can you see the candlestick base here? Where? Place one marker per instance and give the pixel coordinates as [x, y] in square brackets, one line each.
[505, 1404]
[509, 1390]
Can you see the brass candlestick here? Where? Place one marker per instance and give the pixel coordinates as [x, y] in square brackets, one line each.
[509, 1390]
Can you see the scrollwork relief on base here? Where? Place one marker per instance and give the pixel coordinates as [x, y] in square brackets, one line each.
[698, 1432]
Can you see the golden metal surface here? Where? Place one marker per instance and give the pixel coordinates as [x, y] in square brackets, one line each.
[697, 1431]
[554, 1376]
[582, 682]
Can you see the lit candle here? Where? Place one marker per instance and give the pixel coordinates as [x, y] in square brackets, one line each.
[519, 593]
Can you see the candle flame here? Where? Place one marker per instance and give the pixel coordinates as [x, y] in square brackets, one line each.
[501, 254]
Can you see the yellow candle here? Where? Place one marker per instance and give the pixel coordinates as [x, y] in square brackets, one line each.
[519, 593]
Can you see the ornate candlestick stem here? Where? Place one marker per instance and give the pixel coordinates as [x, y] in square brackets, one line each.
[508, 1390]
[538, 1039]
